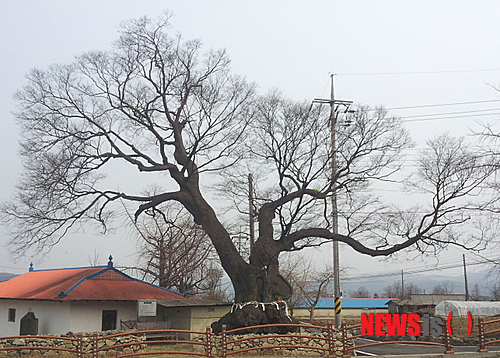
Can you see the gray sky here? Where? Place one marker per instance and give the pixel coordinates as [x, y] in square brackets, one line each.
[391, 53]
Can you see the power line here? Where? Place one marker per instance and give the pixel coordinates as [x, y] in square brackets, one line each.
[416, 72]
[451, 117]
[415, 271]
[448, 113]
[443, 104]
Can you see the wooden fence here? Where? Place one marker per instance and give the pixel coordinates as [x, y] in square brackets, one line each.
[481, 325]
[226, 342]
[346, 350]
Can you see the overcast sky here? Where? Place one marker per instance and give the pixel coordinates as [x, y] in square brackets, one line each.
[430, 57]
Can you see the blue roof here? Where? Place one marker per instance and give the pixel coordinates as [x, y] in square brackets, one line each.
[350, 303]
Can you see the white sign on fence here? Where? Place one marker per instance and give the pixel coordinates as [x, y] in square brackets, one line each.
[147, 308]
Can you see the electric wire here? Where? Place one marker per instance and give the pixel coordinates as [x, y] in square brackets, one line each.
[414, 271]
[415, 72]
[441, 104]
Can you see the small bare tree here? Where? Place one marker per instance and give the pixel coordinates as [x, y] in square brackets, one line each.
[94, 260]
[495, 292]
[443, 288]
[361, 292]
[309, 282]
[211, 286]
[393, 291]
[476, 293]
[176, 253]
[396, 290]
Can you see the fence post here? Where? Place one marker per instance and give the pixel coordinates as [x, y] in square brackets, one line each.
[480, 335]
[208, 340]
[223, 342]
[331, 342]
[447, 339]
[345, 343]
[79, 345]
[95, 346]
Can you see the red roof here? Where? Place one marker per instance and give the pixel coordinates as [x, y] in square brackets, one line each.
[101, 283]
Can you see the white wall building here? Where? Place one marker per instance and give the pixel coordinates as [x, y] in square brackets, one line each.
[76, 299]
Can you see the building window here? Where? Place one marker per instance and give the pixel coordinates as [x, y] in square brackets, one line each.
[12, 315]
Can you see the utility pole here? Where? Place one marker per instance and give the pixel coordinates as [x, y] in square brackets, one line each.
[250, 204]
[402, 286]
[465, 277]
[334, 105]
[239, 237]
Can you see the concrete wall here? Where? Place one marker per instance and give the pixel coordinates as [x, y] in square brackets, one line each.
[180, 317]
[193, 318]
[86, 316]
[53, 317]
[62, 317]
[201, 317]
[303, 313]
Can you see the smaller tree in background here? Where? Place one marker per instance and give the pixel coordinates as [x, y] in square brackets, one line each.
[476, 293]
[393, 290]
[495, 292]
[211, 287]
[309, 282]
[396, 290]
[175, 253]
[361, 292]
[443, 288]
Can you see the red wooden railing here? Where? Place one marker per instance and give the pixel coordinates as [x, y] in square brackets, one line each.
[481, 334]
[208, 343]
[78, 339]
[224, 352]
[94, 340]
[225, 340]
[346, 349]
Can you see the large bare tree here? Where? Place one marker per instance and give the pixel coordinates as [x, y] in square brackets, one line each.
[157, 104]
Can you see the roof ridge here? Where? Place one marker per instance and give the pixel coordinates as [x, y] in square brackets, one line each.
[151, 284]
[68, 268]
[63, 294]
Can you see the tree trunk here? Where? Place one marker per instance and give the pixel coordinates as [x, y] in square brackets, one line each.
[311, 313]
[254, 315]
[257, 281]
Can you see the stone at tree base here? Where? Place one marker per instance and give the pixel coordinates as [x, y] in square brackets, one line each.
[251, 315]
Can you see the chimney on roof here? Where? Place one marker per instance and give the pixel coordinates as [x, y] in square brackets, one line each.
[31, 267]
[110, 262]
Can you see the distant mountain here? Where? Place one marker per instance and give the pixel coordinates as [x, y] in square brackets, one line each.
[4, 276]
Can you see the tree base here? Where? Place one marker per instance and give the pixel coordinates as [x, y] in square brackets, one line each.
[255, 315]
